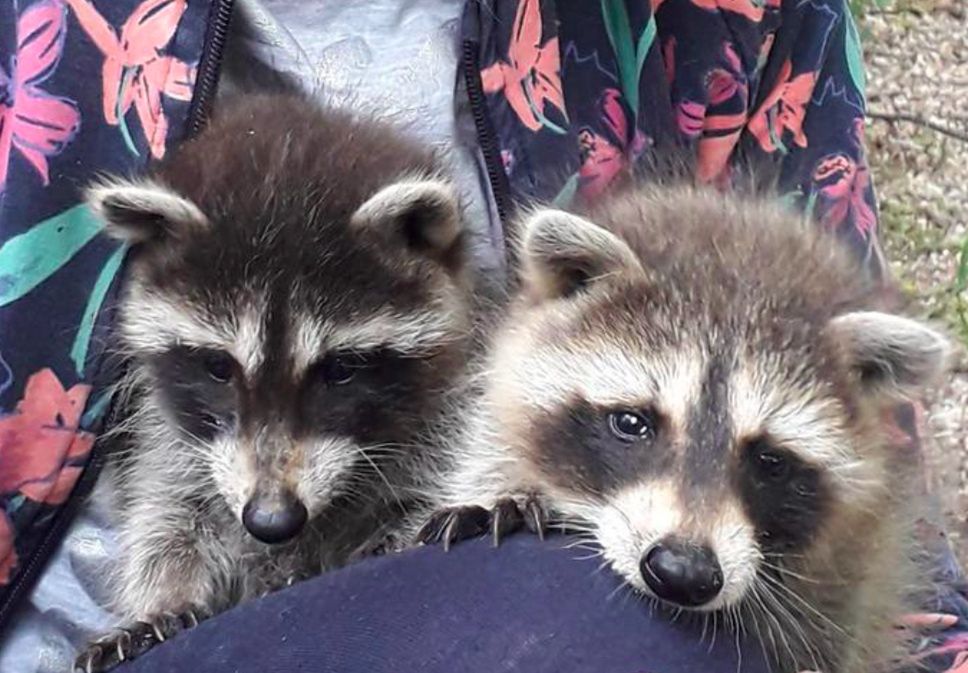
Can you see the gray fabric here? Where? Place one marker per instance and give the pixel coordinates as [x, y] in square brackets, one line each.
[396, 59]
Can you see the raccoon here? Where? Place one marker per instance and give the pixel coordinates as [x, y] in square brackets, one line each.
[697, 383]
[298, 298]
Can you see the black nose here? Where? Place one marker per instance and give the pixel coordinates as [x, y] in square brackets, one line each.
[686, 575]
[274, 518]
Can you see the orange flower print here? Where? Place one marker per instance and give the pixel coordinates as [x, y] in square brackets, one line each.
[727, 99]
[531, 77]
[842, 185]
[8, 554]
[135, 71]
[42, 440]
[783, 110]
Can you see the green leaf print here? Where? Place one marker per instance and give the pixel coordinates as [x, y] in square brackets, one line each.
[566, 196]
[855, 55]
[30, 258]
[620, 35]
[101, 285]
[629, 55]
[645, 44]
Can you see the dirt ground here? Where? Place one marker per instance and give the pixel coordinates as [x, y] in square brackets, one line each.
[917, 59]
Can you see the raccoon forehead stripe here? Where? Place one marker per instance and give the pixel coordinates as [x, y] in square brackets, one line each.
[153, 323]
[403, 332]
[604, 375]
[803, 423]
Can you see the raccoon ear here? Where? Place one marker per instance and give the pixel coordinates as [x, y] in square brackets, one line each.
[893, 355]
[143, 211]
[563, 253]
[422, 214]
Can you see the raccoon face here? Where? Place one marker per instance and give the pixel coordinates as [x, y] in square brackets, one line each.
[703, 438]
[295, 352]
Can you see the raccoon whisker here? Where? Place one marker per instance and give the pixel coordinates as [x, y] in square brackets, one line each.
[759, 635]
[787, 571]
[789, 615]
[624, 586]
[773, 620]
[738, 641]
[799, 599]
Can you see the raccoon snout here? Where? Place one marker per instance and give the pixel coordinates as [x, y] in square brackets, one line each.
[686, 575]
[274, 518]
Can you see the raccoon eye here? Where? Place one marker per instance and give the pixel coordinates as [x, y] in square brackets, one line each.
[220, 366]
[337, 370]
[631, 426]
[772, 465]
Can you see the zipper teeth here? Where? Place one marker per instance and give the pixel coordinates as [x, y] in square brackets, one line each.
[62, 519]
[208, 74]
[488, 142]
[208, 70]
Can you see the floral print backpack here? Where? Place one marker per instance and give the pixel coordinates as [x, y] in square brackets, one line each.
[565, 97]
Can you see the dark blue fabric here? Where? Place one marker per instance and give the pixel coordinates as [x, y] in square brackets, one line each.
[528, 606]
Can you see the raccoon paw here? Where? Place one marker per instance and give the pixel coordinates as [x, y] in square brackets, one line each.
[132, 641]
[506, 517]
[454, 524]
[509, 514]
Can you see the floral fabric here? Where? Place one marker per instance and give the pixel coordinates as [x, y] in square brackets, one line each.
[86, 86]
[576, 94]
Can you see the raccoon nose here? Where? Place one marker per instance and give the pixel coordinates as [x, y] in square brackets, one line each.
[274, 518]
[686, 575]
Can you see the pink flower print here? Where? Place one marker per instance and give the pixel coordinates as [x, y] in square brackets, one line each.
[135, 71]
[842, 184]
[605, 156]
[690, 116]
[36, 123]
[530, 78]
[751, 9]
[960, 664]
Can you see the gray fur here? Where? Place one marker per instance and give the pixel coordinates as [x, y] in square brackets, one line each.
[273, 236]
[740, 327]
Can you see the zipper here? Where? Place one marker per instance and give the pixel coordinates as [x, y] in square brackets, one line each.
[63, 517]
[487, 139]
[210, 65]
[206, 83]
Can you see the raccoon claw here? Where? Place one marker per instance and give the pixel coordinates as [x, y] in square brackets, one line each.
[506, 518]
[535, 517]
[132, 641]
[110, 651]
[454, 525]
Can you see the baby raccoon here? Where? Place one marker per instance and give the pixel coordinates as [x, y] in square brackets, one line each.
[296, 305]
[699, 383]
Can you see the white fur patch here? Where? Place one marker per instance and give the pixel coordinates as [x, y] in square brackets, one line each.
[401, 197]
[142, 195]
[604, 375]
[317, 478]
[632, 521]
[645, 513]
[407, 333]
[802, 422]
[153, 323]
[733, 540]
